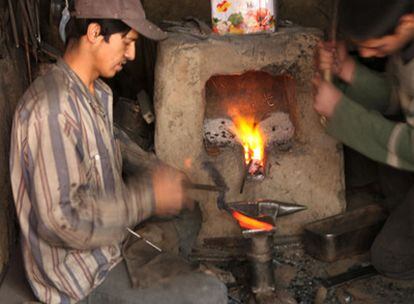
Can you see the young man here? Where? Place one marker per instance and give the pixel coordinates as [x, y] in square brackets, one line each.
[378, 28]
[66, 170]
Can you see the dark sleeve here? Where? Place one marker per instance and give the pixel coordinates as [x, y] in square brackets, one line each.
[371, 89]
[373, 135]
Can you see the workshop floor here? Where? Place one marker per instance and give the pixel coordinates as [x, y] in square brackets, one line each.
[297, 274]
[299, 277]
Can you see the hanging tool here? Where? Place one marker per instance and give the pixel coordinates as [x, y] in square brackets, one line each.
[27, 50]
[13, 24]
[327, 74]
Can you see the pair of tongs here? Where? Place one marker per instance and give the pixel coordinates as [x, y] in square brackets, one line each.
[204, 187]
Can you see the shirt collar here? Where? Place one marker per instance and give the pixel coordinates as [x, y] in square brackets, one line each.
[99, 87]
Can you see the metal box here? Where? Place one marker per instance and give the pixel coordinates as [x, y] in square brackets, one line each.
[344, 235]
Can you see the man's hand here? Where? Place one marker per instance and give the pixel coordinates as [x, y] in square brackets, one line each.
[335, 58]
[170, 195]
[327, 97]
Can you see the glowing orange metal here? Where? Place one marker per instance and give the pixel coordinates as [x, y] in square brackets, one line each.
[250, 223]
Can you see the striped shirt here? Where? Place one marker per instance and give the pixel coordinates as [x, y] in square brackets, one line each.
[72, 204]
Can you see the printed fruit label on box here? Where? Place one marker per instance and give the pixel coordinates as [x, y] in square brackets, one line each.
[243, 16]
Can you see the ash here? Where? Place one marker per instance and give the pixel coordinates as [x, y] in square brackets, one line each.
[218, 132]
[277, 128]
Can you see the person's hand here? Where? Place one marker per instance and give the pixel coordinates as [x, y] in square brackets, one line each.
[170, 195]
[335, 58]
[327, 97]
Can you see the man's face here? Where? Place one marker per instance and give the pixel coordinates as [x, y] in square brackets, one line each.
[112, 55]
[381, 47]
[389, 44]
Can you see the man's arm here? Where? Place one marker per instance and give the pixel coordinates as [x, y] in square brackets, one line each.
[69, 209]
[371, 89]
[373, 135]
[168, 181]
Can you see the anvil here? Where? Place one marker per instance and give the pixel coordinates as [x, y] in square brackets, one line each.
[264, 208]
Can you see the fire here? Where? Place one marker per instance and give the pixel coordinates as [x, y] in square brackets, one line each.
[251, 139]
[250, 223]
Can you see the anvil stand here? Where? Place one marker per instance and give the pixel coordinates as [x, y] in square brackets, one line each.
[260, 256]
[260, 253]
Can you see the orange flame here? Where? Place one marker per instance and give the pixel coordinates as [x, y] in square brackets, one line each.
[250, 223]
[251, 139]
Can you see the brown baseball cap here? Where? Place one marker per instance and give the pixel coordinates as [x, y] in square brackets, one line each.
[130, 12]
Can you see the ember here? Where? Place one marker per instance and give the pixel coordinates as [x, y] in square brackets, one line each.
[251, 223]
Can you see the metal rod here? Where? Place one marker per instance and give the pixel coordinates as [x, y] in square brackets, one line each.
[246, 172]
[13, 23]
[332, 34]
[38, 32]
[28, 22]
[145, 240]
[362, 272]
[27, 51]
[204, 187]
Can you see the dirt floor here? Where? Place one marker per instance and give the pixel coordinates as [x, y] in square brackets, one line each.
[299, 277]
[299, 280]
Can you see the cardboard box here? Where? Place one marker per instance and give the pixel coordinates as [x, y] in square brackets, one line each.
[243, 16]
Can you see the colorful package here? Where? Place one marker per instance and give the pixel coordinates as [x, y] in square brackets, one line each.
[243, 16]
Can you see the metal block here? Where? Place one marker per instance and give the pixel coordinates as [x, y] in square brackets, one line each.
[344, 235]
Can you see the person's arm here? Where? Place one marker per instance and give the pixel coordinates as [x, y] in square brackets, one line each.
[168, 181]
[69, 210]
[372, 135]
[371, 89]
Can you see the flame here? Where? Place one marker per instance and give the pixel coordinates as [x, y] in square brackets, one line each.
[250, 223]
[251, 139]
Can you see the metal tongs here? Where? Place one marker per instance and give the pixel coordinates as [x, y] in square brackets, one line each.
[204, 187]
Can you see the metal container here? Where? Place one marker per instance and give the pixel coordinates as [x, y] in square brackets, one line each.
[344, 235]
[243, 16]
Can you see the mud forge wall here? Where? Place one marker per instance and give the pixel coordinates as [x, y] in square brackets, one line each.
[303, 165]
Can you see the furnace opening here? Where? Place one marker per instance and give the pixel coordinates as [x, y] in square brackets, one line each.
[255, 110]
